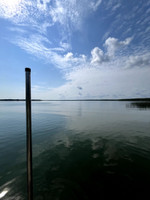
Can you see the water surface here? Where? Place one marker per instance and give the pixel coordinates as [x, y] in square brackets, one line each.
[81, 150]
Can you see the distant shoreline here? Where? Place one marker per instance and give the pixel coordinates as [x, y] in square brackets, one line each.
[131, 99]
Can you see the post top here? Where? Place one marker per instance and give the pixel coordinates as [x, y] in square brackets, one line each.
[27, 69]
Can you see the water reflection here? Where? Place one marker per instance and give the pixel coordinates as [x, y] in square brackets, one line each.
[81, 150]
[140, 105]
[88, 169]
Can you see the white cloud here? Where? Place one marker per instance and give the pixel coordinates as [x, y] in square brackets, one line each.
[35, 45]
[112, 45]
[111, 79]
[74, 61]
[98, 56]
[99, 76]
[138, 61]
[102, 83]
[69, 56]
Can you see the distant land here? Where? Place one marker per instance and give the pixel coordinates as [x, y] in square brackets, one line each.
[130, 99]
[19, 100]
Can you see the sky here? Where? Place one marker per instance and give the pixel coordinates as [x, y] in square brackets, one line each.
[76, 49]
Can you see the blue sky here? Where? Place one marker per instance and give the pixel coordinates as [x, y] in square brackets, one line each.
[76, 49]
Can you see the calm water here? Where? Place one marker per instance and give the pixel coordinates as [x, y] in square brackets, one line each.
[81, 150]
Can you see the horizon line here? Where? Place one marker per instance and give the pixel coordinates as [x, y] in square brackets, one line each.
[119, 99]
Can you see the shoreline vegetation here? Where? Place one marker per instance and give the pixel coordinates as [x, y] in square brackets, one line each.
[129, 99]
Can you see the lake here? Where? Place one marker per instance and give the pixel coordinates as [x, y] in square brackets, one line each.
[81, 150]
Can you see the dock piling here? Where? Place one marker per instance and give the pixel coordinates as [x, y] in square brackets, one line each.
[29, 134]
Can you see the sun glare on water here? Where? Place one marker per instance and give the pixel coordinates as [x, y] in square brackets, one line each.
[3, 193]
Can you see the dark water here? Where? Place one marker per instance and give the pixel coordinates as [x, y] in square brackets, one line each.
[81, 150]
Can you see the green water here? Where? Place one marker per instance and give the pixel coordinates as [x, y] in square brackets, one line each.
[81, 150]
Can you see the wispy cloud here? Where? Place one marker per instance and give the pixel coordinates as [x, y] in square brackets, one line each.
[70, 14]
[116, 6]
[10, 9]
[110, 69]
[67, 13]
[18, 11]
[36, 45]
[40, 16]
[95, 4]
[125, 21]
